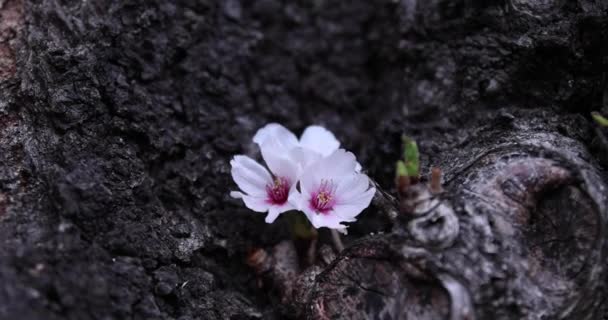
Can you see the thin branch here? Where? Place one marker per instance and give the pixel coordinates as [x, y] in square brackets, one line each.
[335, 236]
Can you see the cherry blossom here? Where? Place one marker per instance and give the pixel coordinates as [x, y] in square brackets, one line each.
[315, 143]
[261, 190]
[310, 174]
[332, 191]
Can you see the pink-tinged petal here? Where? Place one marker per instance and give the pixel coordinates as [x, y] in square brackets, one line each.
[250, 176]
[258, 204]
[280, 165]
[323, 199]
[285, 140]
[278, 191]
[333, 191]
[320, 140]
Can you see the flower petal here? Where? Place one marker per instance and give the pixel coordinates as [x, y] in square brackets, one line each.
[250, 176]
[339, 164]
[258, 204]
[352, 186]
[275, 211]
[329, 220]
[304, 157]
[309, 183]
[320, 140]
[236, 194]
[280, 164]
[296, 200]
[356, 204]
[273, 214]
[285, 140]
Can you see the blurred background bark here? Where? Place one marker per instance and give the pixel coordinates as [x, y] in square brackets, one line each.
[118, 120]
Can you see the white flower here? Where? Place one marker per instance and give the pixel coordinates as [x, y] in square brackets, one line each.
[310, 174]
[315, 143]
[314, 138]
[261, 190]
[332, 191]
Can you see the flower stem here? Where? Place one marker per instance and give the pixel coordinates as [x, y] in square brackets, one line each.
[335, 236]
[311, 253]
[300, 226]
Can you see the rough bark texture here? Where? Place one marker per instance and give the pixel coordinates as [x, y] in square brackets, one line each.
[118, 120]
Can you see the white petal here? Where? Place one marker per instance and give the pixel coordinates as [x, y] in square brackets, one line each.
[280, 165]
[295, 198]
[320, 140]
[339, 164]
[249, 175]
[329, 220]
[236, 194]
[352, 186]
[275, 211]
[356, 204]
[273, 214]
[304, 157]
[326, 220]
[258, 204]
[309, 182]
[336, 167]
[284, 139]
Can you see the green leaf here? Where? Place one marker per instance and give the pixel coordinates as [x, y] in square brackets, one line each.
[601, 120]
[411, 157]
[401, 169]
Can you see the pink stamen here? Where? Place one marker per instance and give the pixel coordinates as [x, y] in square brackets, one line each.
[278, 191]
[324, 199]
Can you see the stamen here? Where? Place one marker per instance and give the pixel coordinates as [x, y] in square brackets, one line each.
[278, 191]
[324, 199]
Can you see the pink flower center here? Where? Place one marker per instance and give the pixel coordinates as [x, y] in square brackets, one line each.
[278, 191]
[324, 199]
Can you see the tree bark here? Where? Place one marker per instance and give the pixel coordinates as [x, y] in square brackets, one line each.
[118, 120]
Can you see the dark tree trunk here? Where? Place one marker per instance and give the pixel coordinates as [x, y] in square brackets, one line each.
[118, 120]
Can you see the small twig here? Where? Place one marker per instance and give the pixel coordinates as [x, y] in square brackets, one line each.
[335, 236]
[436, 180]
[385, 201]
